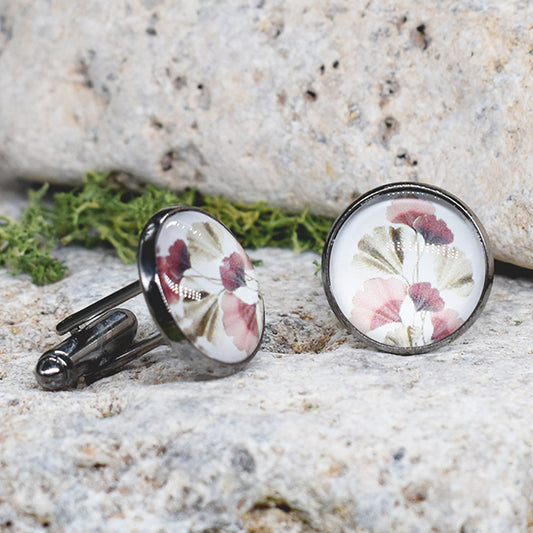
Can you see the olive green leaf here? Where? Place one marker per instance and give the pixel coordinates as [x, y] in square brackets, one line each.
[453, 270]
[206, 316]
[384, 249]
[205, 242]
[404, 336]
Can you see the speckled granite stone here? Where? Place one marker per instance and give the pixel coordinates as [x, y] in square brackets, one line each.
[318, 433]
[292, 102]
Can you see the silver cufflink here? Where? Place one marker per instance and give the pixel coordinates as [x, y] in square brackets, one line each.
[198, 284]
[407, 267]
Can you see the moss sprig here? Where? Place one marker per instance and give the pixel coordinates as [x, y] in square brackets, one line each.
[26, 246]
[103, 212]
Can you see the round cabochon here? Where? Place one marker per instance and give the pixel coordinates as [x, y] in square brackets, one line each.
[209, 286]
[407, 267]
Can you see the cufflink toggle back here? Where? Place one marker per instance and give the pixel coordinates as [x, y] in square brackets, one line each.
[198, 284]
[407, 267]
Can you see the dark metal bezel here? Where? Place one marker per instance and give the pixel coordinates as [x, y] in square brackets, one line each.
[156, 302]
[374, 196]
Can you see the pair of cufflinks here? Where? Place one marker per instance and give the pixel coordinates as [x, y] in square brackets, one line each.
[406, 268]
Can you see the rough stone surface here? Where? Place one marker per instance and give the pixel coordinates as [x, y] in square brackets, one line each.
[293, 102]
[318, 433]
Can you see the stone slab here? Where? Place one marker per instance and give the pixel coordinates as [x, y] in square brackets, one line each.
[291, 102]
[318, 433]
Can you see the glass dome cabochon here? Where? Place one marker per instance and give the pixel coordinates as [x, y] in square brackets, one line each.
[198, 282]
[407, 267]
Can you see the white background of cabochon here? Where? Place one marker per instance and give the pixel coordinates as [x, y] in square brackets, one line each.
[346, 280]
[177, 227]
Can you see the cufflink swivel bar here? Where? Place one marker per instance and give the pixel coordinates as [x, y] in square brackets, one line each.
[99, 345]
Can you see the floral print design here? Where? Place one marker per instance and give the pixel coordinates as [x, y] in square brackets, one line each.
[383, 307]
[209, 284]
[410, 268]
[171, 269]
[420, 216]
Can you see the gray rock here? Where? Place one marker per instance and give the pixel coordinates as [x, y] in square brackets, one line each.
[290, 102]
[318, 433]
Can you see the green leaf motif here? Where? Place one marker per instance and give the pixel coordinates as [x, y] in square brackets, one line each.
[453, 270]
[383, 250]
[206, 318]
[205, 242]
[404, 336]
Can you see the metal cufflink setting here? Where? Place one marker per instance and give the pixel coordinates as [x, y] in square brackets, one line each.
[406, 268]
[198, 284]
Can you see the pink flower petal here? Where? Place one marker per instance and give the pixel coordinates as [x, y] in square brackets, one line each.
[445, 323]
[434, 231]
[378, 303]
[407, 210]
[232, 272]
[240, 322]
[390, 312]
[425, 297]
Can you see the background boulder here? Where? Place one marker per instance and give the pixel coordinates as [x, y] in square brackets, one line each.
[294, 103]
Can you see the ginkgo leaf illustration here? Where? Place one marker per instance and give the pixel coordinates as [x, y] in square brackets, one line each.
[240, 322]
[206, 316]
[445, 323]
[378, 303]
[404, 336]
[384, 249]
[453, 270]
[205, 241]
[425, 297]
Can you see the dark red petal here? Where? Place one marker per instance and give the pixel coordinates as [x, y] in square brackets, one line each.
[178, 259]
[425, 297]
[232, 272]
[434, 231]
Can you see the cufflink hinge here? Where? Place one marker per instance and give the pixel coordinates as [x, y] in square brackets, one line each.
[99, 345]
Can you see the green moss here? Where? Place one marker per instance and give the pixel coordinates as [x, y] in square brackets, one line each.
[26, 246]
[102, 212]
